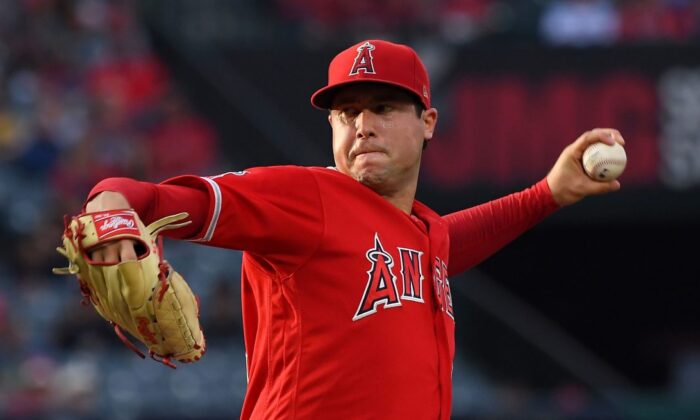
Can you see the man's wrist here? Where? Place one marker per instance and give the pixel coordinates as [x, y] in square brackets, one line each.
[107, 200]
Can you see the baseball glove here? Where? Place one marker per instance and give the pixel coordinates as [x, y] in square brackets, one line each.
[145, 297]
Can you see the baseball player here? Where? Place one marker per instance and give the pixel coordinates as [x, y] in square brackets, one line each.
[346, 298]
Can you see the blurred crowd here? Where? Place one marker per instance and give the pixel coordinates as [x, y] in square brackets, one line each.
[558, 22]
[83, 96]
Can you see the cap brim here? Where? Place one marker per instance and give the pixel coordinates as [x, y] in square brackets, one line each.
[323, 98]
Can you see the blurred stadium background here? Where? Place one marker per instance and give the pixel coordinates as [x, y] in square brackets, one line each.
[592, 315]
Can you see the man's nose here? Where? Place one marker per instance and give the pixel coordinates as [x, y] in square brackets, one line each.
[365, 124]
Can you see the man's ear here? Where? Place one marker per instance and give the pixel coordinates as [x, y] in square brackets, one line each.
[429, 118]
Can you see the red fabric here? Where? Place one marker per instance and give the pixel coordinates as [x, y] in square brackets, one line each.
[376, 61]
[311, 237]
[346, 302]
[151, 201]
[478, 232]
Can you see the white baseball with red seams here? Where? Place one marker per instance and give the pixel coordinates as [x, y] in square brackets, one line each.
[603, 162]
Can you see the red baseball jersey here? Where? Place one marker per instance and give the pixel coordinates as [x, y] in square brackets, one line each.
[347, 306]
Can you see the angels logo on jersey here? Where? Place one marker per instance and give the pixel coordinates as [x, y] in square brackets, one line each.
[381, 289]
[381, 282]
[443, 293]
[364, 60]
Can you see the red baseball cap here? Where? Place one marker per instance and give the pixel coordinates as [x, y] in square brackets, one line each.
[379, 62]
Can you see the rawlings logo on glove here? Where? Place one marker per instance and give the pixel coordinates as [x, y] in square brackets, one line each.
[112, 224]
[146, 297]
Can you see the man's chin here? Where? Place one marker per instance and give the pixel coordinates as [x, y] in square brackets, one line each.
[371, 179]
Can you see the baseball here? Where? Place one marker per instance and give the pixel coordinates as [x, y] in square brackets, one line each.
[603, 162]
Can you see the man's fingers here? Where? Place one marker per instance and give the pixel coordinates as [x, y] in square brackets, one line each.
[606, 135]
[114, 252]
[111, 253]
[613, 186]
[127, 252]
[604, 187]
[96, 256]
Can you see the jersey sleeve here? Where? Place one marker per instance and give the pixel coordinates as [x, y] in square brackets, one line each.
[274, 212]
[154, 201]
[478, 232]
[270, 211]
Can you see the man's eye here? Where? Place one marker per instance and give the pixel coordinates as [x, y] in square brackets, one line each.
[382, 108]
[348, 113]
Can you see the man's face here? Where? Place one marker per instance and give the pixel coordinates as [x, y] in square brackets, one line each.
[378, 136]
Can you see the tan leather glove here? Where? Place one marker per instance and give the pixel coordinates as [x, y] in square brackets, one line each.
[145, 297]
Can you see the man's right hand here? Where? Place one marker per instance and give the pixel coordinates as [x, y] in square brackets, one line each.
[117, 251]
[568, 181]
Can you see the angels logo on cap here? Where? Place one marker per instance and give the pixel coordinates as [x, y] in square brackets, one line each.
[364, 60]
[375, 61]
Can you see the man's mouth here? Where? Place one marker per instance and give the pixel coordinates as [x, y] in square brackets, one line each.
[365, 152]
